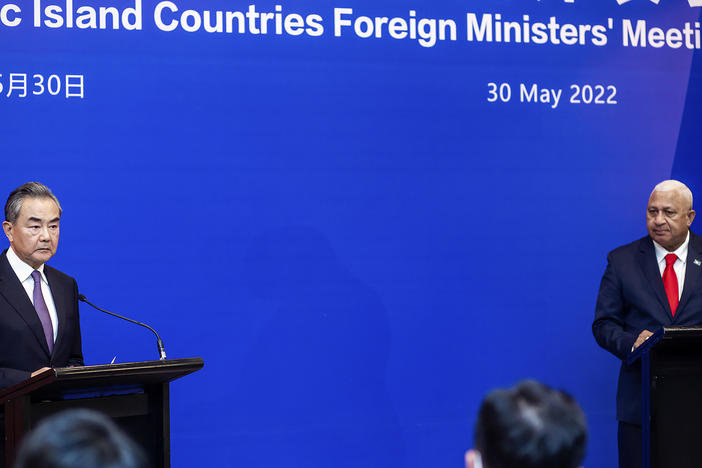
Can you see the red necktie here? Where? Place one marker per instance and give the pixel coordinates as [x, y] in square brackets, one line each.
[670, 282]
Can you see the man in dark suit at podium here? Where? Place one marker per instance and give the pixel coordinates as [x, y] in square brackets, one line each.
[39, 325]
[648, 284]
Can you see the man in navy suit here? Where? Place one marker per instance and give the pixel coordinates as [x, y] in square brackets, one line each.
[648, 284]
[39, 326]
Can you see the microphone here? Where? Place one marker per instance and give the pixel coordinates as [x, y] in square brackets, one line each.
[161, 349]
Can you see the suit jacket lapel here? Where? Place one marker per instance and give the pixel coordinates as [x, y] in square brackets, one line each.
[649, 266]
[59, 297]
[692, 270]
[14, 293]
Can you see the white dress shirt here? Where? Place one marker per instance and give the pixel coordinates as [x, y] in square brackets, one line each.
[680, 263]
[24, 274]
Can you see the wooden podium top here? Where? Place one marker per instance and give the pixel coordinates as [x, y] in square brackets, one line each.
[58, 382]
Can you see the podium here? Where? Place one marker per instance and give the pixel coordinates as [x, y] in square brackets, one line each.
[134, 395]
[671, 397]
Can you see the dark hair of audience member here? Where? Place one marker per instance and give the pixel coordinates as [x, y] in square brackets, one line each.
[79, 439]
[530, 426]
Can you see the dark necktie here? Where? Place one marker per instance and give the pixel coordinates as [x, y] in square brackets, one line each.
[42, 310]
[670, 282]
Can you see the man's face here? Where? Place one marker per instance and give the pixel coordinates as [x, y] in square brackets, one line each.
[34, 235]
[668, 217]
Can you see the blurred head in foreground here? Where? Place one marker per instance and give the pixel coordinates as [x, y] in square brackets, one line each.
[79, 439]
[528, 426]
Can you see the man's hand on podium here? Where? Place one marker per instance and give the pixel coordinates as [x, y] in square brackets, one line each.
[643, 336]
[39, 371]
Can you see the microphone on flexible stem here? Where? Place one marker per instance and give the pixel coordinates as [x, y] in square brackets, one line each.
[161, 349]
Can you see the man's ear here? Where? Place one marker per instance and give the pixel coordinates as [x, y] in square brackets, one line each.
[7, 227]
[473, 459]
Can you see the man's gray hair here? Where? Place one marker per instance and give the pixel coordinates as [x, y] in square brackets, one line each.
[674, 186]
[28, 190]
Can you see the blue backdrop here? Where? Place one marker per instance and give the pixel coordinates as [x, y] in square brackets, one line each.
[357, 241]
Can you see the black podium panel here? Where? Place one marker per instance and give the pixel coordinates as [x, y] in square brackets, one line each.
[671, 390]
[135, 395]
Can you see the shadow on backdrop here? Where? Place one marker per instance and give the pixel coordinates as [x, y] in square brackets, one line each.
[313, 387]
